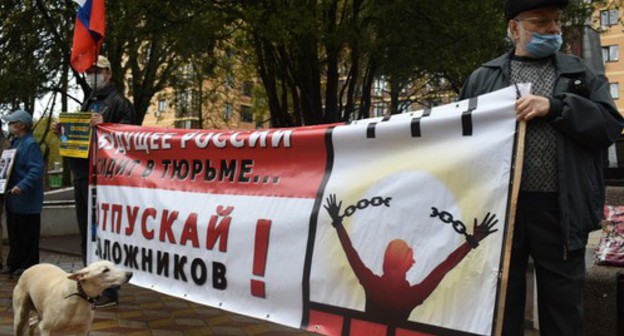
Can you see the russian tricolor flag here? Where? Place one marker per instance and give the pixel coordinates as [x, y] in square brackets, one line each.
[88, 34]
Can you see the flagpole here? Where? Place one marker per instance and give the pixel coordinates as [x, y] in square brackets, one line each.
[88, 37]
[92, 156]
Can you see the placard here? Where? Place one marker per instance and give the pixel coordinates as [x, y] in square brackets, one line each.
[75, 134]
[6, 165]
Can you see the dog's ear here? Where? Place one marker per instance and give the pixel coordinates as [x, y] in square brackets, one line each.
[77, 276]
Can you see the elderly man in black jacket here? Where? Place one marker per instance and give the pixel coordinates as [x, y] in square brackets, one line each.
[571, 120]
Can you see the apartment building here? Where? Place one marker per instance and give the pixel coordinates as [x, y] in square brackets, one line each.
[607, 21]
[609, 24]
[215, 105]
[230, 99]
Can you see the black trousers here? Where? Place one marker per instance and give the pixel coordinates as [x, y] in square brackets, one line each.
[23, 231]
[81, 197]
[537, 233]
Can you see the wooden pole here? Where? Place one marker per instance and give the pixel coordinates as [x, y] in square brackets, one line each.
[515, 189]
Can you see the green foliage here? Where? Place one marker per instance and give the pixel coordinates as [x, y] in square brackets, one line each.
[579, 11]
[151, 43]
[30, 58]
[146, 41]
[316, 59]
[439, 39]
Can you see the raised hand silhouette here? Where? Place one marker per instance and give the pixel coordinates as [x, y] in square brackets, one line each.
[333, 209]
[480, 231]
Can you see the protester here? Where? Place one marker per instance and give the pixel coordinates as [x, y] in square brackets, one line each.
[571, 120]
[109, 106]
[24, 195]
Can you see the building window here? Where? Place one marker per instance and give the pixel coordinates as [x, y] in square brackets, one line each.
[609, 17]
[188, 71]
[379, 85]
[229, 81]
[610, 53]
[228, 111]
[162, 105]
[378, 109]
[615, 90]
[184, 100]
[245, 113]
[186, 124]
[247, 88]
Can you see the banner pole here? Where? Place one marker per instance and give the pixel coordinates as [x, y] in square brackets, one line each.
[515, 189]
[92, 193]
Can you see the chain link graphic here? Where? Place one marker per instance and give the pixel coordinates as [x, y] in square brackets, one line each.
[459, 227]
[364, 203]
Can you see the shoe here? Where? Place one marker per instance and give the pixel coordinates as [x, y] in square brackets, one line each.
[105, 301]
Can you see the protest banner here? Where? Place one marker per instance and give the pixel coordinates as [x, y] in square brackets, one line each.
[384, 226]
[74, 134]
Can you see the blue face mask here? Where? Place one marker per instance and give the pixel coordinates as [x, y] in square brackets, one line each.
[541, 46]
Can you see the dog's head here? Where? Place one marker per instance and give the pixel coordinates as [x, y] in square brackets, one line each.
[100, 275]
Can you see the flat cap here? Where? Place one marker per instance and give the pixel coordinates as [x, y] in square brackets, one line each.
[515, 7]
[103, 62]
[19, 115]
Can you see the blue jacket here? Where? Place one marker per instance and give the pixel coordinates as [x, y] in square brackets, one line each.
[27, 174]
[587, 123]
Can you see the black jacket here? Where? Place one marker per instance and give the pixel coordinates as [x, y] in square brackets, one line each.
[114, 108]
[587, 123]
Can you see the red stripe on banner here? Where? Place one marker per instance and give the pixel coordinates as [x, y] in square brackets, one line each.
[275, 162]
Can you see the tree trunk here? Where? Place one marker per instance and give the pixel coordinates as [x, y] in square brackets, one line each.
[266, 71]
[332, 48]
[367, 86]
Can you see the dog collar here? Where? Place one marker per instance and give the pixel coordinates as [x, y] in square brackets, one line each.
[81, 293]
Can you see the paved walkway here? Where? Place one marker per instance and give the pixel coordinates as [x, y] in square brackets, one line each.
[142, 312]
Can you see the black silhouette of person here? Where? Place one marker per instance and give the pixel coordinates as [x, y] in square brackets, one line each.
[389, 297]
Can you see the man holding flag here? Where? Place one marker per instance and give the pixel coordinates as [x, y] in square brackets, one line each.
[104, 102]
